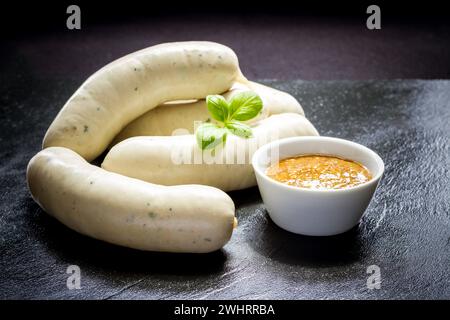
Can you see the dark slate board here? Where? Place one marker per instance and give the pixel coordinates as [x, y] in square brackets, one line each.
[406, 230]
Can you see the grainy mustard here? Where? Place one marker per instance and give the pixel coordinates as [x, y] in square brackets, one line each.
[319, 172]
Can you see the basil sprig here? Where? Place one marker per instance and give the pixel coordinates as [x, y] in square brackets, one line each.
[229, 114]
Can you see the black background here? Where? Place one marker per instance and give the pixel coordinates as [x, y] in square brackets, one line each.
[406, 230]
[42, 15]
[282, 39]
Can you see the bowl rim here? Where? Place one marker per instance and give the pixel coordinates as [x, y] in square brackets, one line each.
[290, 140]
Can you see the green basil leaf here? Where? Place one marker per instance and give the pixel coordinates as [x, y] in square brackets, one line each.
[245, 106]
[218, 107]
[210, 135]
[239, 129]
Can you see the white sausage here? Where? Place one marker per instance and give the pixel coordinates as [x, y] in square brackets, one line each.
[277, 101]
[134, 213]
[157, 159]
[130, 86]
[169, 117]
[126, 211]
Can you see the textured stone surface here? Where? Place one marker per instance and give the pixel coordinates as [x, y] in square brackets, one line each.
[406, 230]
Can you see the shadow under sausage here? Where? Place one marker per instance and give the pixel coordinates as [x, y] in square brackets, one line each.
[245, 197]
[289, 248]
[75, 248]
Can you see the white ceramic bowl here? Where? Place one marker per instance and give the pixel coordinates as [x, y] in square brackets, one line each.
[315, 212]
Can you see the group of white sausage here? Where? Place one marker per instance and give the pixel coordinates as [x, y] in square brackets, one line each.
[140, 197]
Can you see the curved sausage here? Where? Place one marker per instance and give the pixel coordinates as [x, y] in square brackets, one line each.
[127, 211]
[176, 160]
[130, 86]
[180, 117]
